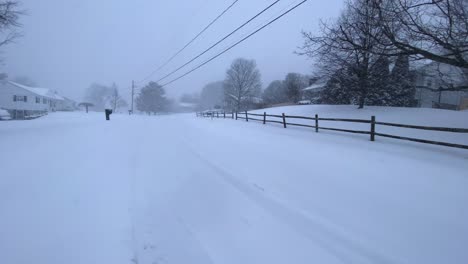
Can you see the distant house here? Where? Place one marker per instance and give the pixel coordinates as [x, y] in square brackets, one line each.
[185, 107]
[25, 102]
[312, 93]
[66, 104]
[432, 78]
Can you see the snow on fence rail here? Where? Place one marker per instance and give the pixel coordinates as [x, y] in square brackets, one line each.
[266, 118]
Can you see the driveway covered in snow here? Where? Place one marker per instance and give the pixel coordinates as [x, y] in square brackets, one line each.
[180, 189]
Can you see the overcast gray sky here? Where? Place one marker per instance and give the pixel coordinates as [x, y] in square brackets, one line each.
[69, 44]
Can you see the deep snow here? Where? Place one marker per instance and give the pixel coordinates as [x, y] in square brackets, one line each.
[181, 189]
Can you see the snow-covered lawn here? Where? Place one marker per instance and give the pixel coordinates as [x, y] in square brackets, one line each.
[409, 116]
[180, 189]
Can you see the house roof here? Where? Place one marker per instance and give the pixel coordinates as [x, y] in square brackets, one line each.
[188, 105]
[318, 84]
[39, 91]
[315, 86]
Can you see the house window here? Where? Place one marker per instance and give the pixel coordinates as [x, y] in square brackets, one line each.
[20, 98]
[38, 100]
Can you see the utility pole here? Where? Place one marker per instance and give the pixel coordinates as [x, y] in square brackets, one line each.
[133, 93]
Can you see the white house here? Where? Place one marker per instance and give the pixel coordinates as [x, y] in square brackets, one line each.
[23, 101]
[65, 104]
[433, 76]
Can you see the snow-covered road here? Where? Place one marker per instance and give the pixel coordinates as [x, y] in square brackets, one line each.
[180, 189]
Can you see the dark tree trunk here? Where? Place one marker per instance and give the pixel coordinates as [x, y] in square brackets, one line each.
[362, 99]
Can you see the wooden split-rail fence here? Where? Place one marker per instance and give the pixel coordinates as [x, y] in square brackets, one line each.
[285, 120]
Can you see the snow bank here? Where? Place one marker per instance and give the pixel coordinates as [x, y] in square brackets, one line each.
[410, 116]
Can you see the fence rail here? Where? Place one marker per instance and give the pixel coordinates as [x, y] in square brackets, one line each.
[372, 130]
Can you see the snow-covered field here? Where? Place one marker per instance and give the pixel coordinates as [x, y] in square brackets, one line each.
[180, 189]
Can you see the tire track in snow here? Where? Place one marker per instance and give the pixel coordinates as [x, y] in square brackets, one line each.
[332, 238]
[160, 236]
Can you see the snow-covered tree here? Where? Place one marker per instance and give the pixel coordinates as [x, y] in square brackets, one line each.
[380, 89]
[98, 95]
[115, 100]
[402, 83]
[352, 43]
[9, 16]
[275, 93]
[152, 99]
[242, 84]
[294, 83]
[339, 88]
[212, 95]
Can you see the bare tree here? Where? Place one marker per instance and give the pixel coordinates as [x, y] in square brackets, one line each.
[431, 29]
[98, 95]
[116, 101]
[294, 83]
[242, 83]
[9, 16]
[275, 93]
[351, 45]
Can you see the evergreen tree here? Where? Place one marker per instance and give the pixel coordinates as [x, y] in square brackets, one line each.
[152, 99]
[402, 81]
[339, 88]
[380, 90]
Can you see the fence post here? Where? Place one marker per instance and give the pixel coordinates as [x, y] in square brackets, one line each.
[284, 121]
[236, 115]
[264, 117]
[232, 115]
[372, 130]
[316, 123]
[246, 117]
[224, 113]
[217, 114]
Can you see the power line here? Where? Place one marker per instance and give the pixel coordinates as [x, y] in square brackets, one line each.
[221, 40]
[235, 44]
[190, 42]
[267, 20]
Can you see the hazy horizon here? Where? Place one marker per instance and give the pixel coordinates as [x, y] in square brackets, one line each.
[67, 45]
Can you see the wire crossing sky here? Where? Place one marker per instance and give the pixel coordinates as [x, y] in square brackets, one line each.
[219, 41]
[235, 44]
[190, 42]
